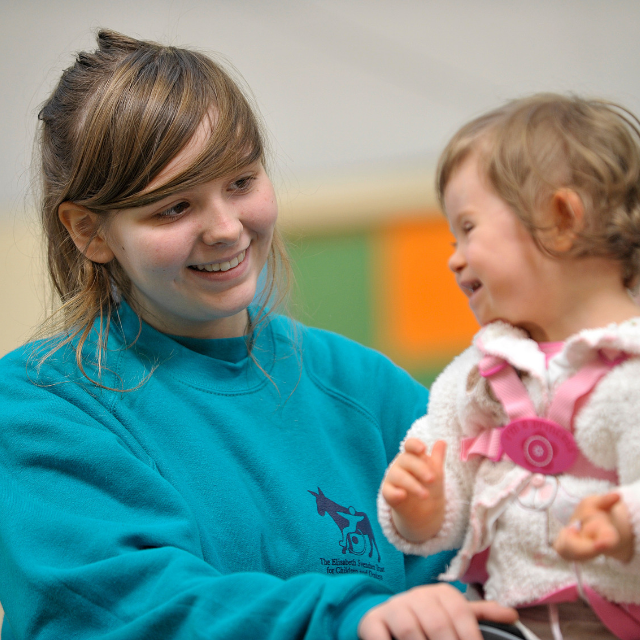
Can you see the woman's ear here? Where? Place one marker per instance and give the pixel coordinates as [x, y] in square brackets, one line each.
[83, 227]
[567, 219]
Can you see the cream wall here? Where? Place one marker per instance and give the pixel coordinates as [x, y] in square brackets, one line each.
[359, 96]
[22, 288]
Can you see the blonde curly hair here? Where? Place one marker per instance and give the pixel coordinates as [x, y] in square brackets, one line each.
[531, 147]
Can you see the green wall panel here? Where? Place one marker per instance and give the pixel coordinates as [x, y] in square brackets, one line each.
[333, 288]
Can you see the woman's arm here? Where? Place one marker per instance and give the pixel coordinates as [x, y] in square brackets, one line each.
[95, 543]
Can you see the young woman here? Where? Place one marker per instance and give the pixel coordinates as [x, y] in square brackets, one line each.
[175, 460]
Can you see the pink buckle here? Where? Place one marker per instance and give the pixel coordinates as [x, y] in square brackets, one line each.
[539, 445]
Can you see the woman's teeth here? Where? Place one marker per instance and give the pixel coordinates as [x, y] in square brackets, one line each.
[221, 266]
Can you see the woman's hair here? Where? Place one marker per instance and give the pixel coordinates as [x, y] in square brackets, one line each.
[531, 147]
[117, 117]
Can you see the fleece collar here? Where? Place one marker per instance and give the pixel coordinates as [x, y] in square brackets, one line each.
[514, 345]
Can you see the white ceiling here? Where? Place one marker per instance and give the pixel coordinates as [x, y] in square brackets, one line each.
[348, 88]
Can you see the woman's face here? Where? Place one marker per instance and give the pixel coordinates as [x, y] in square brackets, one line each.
[194, 258]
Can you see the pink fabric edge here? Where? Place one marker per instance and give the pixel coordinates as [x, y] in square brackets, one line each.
[623, 620]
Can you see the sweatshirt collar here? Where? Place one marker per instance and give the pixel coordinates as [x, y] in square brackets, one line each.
[214, 364]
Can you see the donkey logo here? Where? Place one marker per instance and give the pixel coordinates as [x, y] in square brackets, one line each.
[357, 534]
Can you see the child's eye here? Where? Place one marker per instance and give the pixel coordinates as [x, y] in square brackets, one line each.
[174, 211]
[467, 226]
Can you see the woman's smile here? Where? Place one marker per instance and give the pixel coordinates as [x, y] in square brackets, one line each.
[224, 265]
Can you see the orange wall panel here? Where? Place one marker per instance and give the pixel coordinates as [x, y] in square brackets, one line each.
[421, 315]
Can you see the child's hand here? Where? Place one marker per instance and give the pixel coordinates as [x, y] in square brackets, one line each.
[436, 612]
[414, 489]
[599, 525]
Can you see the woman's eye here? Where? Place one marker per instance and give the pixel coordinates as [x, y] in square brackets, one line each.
[174, 211]
[242, 184]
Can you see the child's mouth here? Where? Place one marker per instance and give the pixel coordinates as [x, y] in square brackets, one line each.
[470, 288]
[221, 266]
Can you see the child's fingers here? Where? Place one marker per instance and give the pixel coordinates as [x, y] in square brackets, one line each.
[415, 446]
[606, 501]
[594, 505]
[578, 542]
[418, 466]
[603, 534]
[437, 454]
[399, 478]
[573, 547]
[600, 526]
[393, 495]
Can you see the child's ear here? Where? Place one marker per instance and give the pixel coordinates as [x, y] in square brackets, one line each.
[82, 226]
[567, 219]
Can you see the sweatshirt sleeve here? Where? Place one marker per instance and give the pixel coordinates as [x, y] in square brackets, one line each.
[441, 423]
[94, 543]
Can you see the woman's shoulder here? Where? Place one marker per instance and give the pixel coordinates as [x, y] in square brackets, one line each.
[28, 383]
[30, 358]
[344, 367]
[328, 348]
[47, 363]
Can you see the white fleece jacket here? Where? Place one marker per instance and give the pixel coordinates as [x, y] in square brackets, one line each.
[496, 505]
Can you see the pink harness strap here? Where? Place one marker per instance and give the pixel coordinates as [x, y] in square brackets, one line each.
[546, 445]
[507, 386]
[579, 385]
[511, 392]
[540, 444]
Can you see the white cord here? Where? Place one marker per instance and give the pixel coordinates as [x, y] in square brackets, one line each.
[554, 619]
[578, 572]
[525, 631]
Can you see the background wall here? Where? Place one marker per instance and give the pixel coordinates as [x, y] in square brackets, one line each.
[359, 96]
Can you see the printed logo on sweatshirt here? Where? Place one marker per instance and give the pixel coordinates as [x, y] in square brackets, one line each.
[357, 541]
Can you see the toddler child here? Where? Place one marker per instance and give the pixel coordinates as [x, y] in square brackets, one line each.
[528, 460]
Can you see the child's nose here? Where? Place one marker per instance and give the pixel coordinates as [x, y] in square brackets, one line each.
[456, 260]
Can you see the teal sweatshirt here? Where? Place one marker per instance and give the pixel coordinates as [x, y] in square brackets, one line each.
[217, 497]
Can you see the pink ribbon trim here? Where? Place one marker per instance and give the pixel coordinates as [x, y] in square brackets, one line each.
[623, 620]
[487, 444]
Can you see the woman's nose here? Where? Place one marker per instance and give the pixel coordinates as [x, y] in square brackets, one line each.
[221, 226]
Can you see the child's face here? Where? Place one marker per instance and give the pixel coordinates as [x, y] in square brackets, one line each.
[496, 262]
[194, 258]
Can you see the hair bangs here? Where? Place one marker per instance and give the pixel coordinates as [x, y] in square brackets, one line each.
[167, 119]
